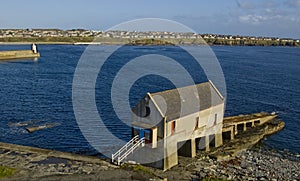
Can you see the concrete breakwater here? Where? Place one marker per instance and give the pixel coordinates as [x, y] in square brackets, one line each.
[18, 54]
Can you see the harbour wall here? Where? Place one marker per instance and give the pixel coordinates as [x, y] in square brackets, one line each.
[18, 54]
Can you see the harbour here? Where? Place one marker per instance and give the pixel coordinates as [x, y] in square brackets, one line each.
[41, 93]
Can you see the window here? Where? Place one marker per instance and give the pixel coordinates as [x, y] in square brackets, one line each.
[173, 125]
[147, 113]
[148, 137]
[216, 119]
[197, 123]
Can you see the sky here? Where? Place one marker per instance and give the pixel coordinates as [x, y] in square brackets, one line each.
[275, 18]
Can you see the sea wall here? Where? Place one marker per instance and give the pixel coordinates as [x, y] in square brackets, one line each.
[18, 54]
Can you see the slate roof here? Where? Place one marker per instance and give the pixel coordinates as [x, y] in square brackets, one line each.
[180, 102]
[183, 101]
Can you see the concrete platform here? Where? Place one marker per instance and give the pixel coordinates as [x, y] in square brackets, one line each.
[18, 54]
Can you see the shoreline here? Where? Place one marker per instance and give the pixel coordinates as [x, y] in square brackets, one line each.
[251, 161]
[258, 163]
[129, 44]
[40, 43]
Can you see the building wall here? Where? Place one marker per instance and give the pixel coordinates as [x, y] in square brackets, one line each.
[185, 129]
[186, 126]
[155, 115]
[154, 118]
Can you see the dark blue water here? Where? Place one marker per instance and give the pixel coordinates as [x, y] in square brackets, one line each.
[258, 79]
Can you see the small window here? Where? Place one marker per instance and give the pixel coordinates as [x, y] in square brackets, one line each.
[197, 123]
[216, 119]
[147, 113]
[173, 125]
[147, 135]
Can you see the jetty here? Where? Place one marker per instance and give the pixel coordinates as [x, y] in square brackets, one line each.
[19, 54]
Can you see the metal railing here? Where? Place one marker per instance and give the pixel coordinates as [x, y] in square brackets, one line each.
[127, 149]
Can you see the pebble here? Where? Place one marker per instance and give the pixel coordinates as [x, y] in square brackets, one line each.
[262, 164]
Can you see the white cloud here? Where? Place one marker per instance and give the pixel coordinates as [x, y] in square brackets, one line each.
[268, 12]
[253, 19]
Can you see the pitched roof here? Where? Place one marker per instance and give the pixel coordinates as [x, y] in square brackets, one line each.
[180, 102]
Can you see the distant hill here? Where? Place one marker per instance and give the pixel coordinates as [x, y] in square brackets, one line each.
[144, 42]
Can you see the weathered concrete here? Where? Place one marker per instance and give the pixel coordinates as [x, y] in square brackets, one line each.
[256, 119]
[207, 148]
[246, 140]
[218, 140]
[18, 54]
[170, 153]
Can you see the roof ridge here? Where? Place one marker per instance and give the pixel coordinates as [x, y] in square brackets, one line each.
[217, 90]
[169, 90]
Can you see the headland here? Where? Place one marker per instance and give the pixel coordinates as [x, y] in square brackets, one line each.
[57, 36]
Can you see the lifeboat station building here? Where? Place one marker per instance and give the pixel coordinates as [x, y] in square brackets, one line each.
[174, 123]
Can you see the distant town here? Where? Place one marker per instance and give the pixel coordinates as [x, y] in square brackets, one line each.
[120, 37]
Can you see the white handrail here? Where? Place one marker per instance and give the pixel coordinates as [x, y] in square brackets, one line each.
[125, 147]
[129, 151]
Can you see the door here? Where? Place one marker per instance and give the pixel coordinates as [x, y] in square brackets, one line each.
[142, 133]
[147, 134]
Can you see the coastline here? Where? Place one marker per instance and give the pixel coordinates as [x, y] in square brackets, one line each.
[120, 44]
[251, 161]
[41, 43]
[258, 163]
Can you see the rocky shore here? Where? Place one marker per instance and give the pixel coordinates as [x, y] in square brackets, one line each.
[41, 164]
[256, 164]
[259, 163]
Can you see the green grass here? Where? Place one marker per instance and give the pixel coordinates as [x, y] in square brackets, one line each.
[142, 169]
[138, 168]
[6, 171]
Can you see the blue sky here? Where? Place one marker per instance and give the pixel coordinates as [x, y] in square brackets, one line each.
[278, 18]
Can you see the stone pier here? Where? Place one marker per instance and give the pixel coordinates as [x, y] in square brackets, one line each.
[245, 121]
[18, 54]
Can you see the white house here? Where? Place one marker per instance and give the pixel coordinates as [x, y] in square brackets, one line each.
[177, 122]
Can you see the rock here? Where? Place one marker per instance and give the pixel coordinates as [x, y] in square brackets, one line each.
[104, 167]
[51, 169]
[32, 129]
[87, 170]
